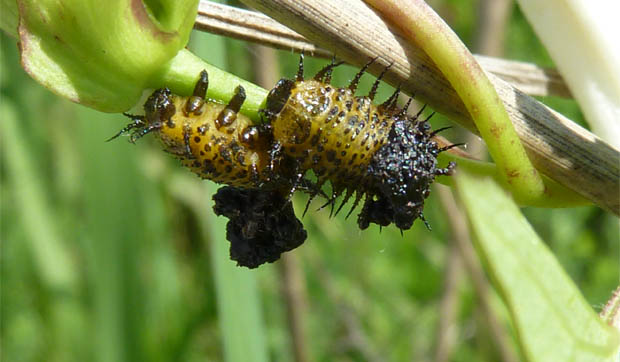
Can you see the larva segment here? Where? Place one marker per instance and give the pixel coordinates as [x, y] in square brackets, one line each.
[330, 131]
[225, 154]
[374, 151]
[214, 140]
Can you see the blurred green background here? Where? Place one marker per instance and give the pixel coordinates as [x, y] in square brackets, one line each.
[111, 252]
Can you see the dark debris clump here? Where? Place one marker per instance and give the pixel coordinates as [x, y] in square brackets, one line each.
[262, 224]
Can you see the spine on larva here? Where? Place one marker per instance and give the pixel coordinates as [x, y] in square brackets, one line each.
[376, 152]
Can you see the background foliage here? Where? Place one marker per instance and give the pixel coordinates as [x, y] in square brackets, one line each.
[110, 251]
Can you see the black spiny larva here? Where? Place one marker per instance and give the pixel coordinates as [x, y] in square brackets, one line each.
[377, 152]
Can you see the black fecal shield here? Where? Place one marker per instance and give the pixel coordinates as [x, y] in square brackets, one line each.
[277, 97]
[402, 170]
[262, 224]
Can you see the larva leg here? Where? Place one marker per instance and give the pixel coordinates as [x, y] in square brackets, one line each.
[254, 174]
[138, 122]
[275, 153]
[446, 171]
[197, 100]
[421, 217]
[295, 183]
[139, 133]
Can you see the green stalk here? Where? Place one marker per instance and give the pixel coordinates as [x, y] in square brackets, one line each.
[181, 73]
[556, 195]
[52, 258]
[421, 25]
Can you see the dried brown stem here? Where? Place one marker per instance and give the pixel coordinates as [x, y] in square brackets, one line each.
[258, 28]
[558, 147]
[252, 26]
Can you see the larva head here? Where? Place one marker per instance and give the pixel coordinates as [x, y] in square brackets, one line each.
[159, 107]
[402, 171]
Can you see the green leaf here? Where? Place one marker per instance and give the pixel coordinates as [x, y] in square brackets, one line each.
[101, 53]
[552, 319]
[8, 17]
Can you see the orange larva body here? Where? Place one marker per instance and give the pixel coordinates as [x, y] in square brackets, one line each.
[331, 132]
[217, 154]
[212, 139]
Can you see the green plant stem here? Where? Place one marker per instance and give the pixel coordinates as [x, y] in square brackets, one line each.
[556, 195]
[421, 25]
[181, 73]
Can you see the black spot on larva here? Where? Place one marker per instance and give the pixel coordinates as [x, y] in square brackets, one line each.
[331, 155]
[241, 159]
[226, 153]
[353, 121]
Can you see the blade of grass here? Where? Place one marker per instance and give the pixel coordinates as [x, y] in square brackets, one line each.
[239, 302]
[552, 319]
[55, 266]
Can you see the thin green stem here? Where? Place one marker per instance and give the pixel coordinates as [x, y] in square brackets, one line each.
[555, 194]
[181, 73]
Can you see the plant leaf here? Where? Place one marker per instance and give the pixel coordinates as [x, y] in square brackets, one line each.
[101, 53]
[552, 319]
